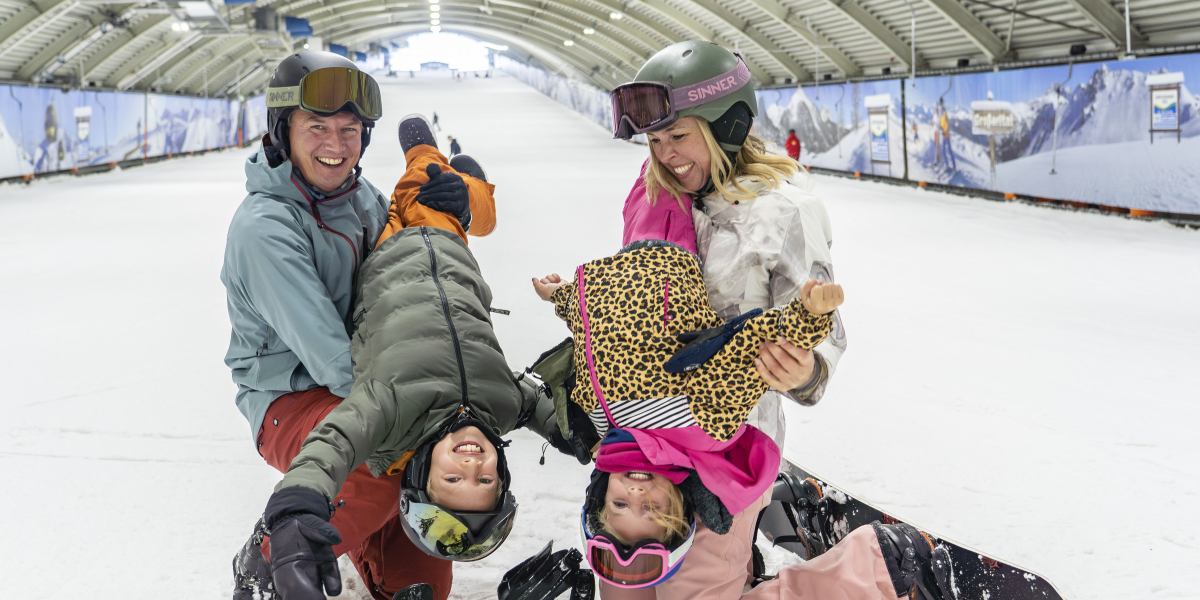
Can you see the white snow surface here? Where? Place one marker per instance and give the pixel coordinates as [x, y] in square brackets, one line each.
[1021, 380]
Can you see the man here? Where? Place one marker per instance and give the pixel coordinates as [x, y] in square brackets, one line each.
[454, 147]
[793, 145]
[291, 259]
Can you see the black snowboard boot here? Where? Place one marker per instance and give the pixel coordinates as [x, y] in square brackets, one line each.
[467, 165]
[807, 512]
[416, 591]
[251, 571]
[920, 567]
[414, 131]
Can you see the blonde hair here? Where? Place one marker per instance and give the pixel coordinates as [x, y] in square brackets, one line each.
[677, 527]
[753, 160]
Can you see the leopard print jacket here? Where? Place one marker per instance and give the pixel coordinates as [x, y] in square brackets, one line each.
[637, 302]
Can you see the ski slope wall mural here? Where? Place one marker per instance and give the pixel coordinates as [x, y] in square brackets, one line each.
[1104, 150]
[44, 130]
[587, 100]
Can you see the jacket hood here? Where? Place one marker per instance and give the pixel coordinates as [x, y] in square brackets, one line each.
[737, 471]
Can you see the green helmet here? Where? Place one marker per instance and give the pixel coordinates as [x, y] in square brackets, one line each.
[690, 62]
[694, 62]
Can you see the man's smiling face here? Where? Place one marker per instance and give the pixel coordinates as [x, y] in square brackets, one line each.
[325, 149]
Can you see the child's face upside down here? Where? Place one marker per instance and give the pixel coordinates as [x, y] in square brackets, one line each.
[632, 499]
[463, 471]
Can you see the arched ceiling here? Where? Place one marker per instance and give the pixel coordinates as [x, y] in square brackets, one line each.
[204, 48]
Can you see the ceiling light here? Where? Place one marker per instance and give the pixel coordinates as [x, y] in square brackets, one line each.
[435, 22]
[433, 1]
[435, 8]
[616, 16]
[568, 43]
[435, 29]
[588, 31]
[306, 45]
[434, 15]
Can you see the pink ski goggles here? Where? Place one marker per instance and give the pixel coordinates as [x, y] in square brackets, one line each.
[646, 564]
[642, 106]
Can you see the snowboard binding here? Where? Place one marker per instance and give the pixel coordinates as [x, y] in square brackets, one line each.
[546, 575]
[252, 571]
[801, 504]
[918, 564]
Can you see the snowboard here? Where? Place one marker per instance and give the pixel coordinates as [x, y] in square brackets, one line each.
[977, 576]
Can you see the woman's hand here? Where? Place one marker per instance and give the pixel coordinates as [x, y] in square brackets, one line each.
[545, 286]
[783, 365]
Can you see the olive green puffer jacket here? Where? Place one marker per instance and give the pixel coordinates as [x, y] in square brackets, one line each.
[423, 347]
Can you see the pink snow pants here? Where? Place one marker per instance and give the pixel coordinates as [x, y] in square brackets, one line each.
[719, 566]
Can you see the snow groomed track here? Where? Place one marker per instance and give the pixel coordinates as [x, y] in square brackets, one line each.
[1018, 379]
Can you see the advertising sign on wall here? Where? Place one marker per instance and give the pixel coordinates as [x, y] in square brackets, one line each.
[43, 130]
[836, 128]
[1104, 155]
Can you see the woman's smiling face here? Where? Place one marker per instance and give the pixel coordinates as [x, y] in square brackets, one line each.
[681, 148]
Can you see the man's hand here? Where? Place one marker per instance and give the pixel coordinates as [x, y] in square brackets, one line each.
[447, 193]
[303, 565]
[784, 366]
[545, 286]
[821, 298]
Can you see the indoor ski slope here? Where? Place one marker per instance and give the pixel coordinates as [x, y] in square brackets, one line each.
[1021, 380]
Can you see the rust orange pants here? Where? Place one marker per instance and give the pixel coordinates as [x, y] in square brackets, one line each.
[369, 519]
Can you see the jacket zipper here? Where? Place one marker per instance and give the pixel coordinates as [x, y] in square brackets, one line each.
[462, 371]
[321, 223]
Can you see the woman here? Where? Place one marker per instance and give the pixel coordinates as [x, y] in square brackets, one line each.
[761, 235]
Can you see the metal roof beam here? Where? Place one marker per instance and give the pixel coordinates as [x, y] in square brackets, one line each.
[531, 42]
[167, 69]
[617, 48]
[816, 40]
[219, 77]
[553, 38]
[31, 20]
[1108, 20]
[704, 33]
[757, 38]
[879, 32]
[172, 50]
[213, 50]
[134, 34]
[50, 52]
[970, 26]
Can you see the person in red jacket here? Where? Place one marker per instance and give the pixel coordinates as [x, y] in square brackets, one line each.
[793, 145]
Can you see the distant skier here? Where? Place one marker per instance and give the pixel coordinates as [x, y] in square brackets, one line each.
[57, 151]
[454, 147]
[435, 122]
[793, 145]
[947, 149]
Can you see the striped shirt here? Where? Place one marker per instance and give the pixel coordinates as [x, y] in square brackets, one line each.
[647, 413]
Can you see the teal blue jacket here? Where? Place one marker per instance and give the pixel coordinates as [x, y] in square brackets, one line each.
[291, 257]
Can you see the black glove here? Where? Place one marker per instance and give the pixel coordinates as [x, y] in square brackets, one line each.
[302, 542]
[446, 192]
[582, 439]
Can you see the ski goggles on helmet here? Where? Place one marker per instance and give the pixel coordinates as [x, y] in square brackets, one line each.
[456, 535]
[645, 564]
[642, 106]
[329, 90]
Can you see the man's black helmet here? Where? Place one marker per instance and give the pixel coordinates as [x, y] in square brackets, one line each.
[288, 75]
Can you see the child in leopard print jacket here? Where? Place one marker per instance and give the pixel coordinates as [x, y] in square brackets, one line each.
[631, 313]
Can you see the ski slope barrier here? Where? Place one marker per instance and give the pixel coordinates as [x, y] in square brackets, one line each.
[1103, 152]
[47, 130]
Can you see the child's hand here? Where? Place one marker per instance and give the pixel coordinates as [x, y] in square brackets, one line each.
[545, 286]
[821, 298]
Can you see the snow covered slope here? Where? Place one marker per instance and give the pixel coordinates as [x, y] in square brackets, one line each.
[1032, 397]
